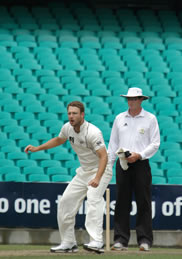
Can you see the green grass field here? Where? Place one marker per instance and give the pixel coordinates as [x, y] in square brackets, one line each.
[39, 252]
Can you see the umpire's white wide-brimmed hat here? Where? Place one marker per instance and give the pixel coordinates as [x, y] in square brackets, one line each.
[135, 92]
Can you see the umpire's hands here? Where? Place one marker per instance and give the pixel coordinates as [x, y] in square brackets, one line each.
[133, 157]
[30, 148]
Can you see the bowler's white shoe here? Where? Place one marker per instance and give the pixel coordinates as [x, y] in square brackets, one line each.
[144, 247]
[65, 248]
[95, 246]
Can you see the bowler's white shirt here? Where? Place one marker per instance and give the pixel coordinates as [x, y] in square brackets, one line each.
[85, 143]
[138, 134]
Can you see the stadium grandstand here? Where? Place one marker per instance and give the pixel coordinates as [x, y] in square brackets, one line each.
[54, 52]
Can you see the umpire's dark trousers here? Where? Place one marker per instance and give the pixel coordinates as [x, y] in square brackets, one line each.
[137, 179]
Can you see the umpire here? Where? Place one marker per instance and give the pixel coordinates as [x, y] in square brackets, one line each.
[137, 131]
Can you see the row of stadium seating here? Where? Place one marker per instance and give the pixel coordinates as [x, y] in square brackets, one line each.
[26, 39]
[46, 64]
[78, 17]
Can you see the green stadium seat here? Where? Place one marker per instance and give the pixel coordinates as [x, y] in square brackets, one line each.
[168, 131]
[165, 92]
[7, 142]
[168, 165]
[14, 177]
[12, 108]
[25, 142]
[57, 91]
[47, 116]
[50, 63]
[6, 162]
[175, 157]
[47, 79]
[92, 117]
[104, 111]
[33, 128]
[58, 150]
[154, 166]
[47, 97]
[5, 115]
[57, 108]
[25, 96]
[38, 178]
[69, 43]
[161, 106]
[9, 169]
[158, 180]
[50, 163]
[18, 136]
[154, 74]
[174, 172]
[44, 72]
[72, 164]
[158, 157]
[167, 145]
[70, 98]
[33, 170]
[101, 92]
[90, 41]
[26, 163]
[111, 42]
[35, 108]
[61, 178]
[175, 180]
[173, 43]
[8, 122]
[16, 155]
[2, 155]
[41, 155]
[178, 119]
[95, 102]
[52, 123]
[1, 178]
[63, 156]
[133, 43]
[47, 41]
[157, 172]
[161, 99]
[9, 148]
[89, 74]
[82, 33]
[61, 32]
[29, 123]
[175, 66]
[57, 171]
[26, 78]
[169, 112]
[174, 138]
[26, 40]
[113, 180]
[23, 115]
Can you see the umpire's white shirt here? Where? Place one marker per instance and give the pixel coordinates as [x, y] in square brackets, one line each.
[138, 134]
[85, 143]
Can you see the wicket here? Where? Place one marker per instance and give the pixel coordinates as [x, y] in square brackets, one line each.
[107, 219]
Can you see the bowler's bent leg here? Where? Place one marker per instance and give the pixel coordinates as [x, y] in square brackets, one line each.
[95, 209]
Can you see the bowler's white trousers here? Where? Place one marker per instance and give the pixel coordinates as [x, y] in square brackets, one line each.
[72, 199]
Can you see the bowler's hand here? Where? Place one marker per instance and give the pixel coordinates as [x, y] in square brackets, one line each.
[133, 157]
[94, 182]
[30, 148]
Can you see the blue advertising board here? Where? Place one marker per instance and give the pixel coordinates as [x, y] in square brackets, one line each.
[34, 205]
